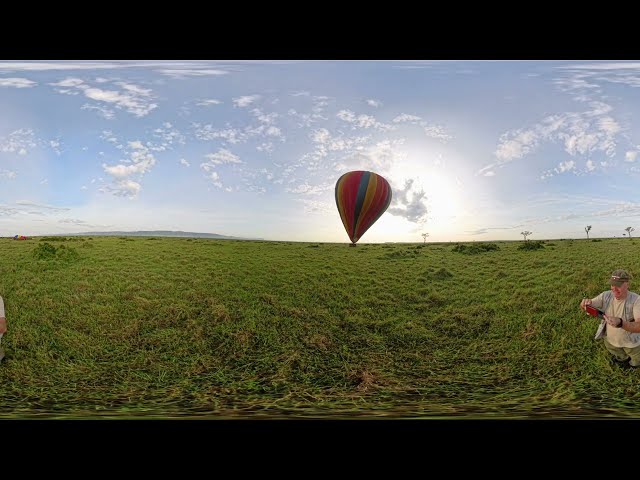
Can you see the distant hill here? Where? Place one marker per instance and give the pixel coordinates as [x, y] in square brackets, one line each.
[158, 233]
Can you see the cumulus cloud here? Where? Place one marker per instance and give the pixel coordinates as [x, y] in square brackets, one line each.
[17, 82]
[409, 202]
[245, 101]
[221, 157]
[438, 132]
[214, 162]
[10, 174]
[362, 121]
[130, 97]
[590, 131]
[19, 141]
[126, 175]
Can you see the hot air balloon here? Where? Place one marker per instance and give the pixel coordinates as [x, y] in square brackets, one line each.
[361, 197]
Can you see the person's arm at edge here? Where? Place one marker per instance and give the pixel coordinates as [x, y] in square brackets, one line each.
[3, 320]
[633, 327]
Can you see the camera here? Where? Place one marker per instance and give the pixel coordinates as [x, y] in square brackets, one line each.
[594, 312]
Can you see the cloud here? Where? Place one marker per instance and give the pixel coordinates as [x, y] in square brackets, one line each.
[306, 189]
[18, 141]
[374, 103]
[180, 73]
[17, 82]
[405, 117]
[221, 157]
[184, 162]
[39, 206]
[593, 130]
[311, 207]
[437, 132]
[230, 135]
[409, 202]
[168, 136]
[266, 147]
[10, 174]
[104, 112]
[122, 188]
[140, 161]
[74, 221]
[362, 121]
[132, 98]
[206, 103]
[245, 101]
[479, 231]
[631, 156]
[603, 66]
[216, 160]
[43, 66]
[55, 146]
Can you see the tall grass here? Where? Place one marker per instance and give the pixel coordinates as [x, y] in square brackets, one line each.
[175, 327]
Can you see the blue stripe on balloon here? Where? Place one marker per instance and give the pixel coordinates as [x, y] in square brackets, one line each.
[362, 193]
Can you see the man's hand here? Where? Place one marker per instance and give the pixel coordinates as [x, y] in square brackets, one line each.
[584, 303]
[3, 325]
[613, 321]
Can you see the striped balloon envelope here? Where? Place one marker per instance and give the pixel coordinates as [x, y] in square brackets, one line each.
[361, 197]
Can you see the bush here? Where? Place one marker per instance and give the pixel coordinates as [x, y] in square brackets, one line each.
[531, 245]
[475, 248]
[44, 251]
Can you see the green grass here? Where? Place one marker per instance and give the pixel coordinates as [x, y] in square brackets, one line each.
[175, 327]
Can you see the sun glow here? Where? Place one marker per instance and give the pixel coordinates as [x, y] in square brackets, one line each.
[436, 189]
[443, 202]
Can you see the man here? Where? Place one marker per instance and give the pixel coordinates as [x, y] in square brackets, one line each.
[3, 326]
[621, 307]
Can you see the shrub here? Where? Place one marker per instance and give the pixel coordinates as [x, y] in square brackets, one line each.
[44, 251]
[531, 245]
[475, 248]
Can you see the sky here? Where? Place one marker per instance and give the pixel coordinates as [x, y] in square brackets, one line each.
[473, 150]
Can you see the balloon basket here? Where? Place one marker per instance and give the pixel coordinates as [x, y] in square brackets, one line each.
[353, 245]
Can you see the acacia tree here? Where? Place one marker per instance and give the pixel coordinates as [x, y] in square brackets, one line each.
[526, 233]
[425, 235]
[586, 229]
[629, 229]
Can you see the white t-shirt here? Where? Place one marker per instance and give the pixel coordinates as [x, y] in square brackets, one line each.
[618, 337]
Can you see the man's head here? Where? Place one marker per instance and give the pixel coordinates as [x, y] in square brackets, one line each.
[619, 281]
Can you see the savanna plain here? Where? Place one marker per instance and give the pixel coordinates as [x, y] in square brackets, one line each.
[148, 327]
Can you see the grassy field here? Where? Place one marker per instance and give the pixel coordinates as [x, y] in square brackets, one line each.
[192, 328]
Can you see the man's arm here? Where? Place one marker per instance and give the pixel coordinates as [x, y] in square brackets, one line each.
[633, 327]
[3, 320]
[596, 302]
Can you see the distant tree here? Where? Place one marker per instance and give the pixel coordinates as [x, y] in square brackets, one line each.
[526, 233]
[586, 229]
[425, 235]
[629, 229]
